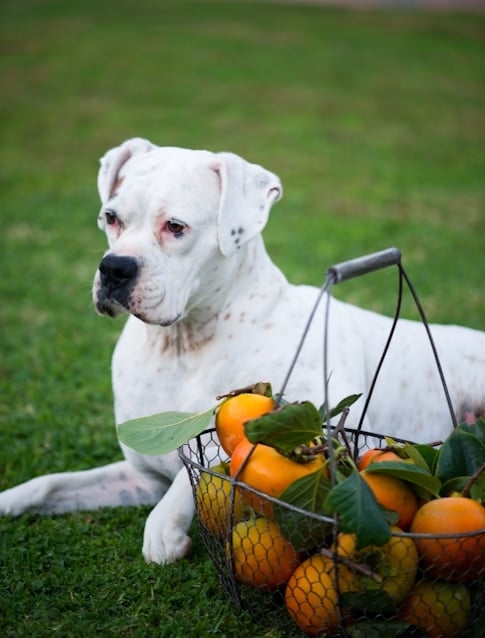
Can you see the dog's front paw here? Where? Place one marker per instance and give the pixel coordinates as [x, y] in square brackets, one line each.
[165, 545]
[7, 504]
[18, 500]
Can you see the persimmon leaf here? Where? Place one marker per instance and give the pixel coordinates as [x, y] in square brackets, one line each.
[424, 456]
[164, 432]
[381, 628]
[372, 601]
[477, 428]
[475, 487]
[300, 528]
[358, 511]
[462, 454]
[456, 484]
[477, 490]
[339, 408]
[407, 472]
[287, 427]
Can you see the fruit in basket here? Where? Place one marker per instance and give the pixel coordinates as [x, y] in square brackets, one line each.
[268, 471]
[262, 557]
[394, 564]
[376, 455]
[393, 494]
[459, 558]
[440, 610]
[234, 412]
[311, 595]
[213, 501]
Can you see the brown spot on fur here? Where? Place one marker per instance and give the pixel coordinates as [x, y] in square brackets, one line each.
[182, 338]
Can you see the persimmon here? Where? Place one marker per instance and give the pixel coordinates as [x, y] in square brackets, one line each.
[269, 472]
[440, 609]
[393, 494]
[262, 557]
[455, 558]
[376, 455]
[311, 595]
[395, 563]
[213, 501]
[234, 412]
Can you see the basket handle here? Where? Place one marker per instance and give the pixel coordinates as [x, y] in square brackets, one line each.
[363, 265]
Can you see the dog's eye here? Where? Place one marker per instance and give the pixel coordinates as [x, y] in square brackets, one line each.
[111, 218]
[175, 227]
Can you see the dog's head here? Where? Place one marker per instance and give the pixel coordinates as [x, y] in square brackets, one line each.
[176, 220]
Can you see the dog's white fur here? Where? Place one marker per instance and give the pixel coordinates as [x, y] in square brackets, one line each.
[210, 312]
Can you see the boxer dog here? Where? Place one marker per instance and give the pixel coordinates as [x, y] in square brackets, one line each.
[210, 312]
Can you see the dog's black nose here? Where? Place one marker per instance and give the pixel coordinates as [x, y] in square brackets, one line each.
[117, 271]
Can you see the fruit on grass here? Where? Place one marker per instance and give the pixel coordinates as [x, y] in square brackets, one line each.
[213, 501]
[268, 471]
[393, 494]
[459, 558]
[311, 595]
[395, 564]
[234, 412]
[440, 610]
[261, 556]
[376, 455]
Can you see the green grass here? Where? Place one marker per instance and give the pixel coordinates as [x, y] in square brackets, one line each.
[375, 123]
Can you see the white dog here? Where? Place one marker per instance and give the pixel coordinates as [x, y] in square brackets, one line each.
[210, 312]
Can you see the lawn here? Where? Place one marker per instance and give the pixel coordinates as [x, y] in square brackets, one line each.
[375, 123]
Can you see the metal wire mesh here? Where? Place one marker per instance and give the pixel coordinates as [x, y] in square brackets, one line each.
[319, 582]
[263, 573]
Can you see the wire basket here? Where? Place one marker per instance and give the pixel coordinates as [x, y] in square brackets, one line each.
[270, 556]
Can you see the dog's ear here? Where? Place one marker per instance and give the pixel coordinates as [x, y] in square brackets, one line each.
[247, 193]
[113, 160]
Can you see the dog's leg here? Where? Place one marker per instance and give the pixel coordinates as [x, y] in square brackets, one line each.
[109, 486]
[166, 539]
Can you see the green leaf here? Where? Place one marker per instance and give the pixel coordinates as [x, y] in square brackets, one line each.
[358, 511]
[423, 456]
[477, 490]
[164, 432]
[288, 427]
[306, 493]
[383, 629]
[462, 454]
[390, 516]
[339, 408]
[456, 484]
[477, 428]
[407, 472]
[371, 601]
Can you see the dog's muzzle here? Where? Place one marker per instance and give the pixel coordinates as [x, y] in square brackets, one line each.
[117, 276]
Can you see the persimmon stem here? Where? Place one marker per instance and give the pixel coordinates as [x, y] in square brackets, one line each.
[340, 429]
[433, 444]
[358, 567]
[256, 388]
[304, 453]
[398, 447]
